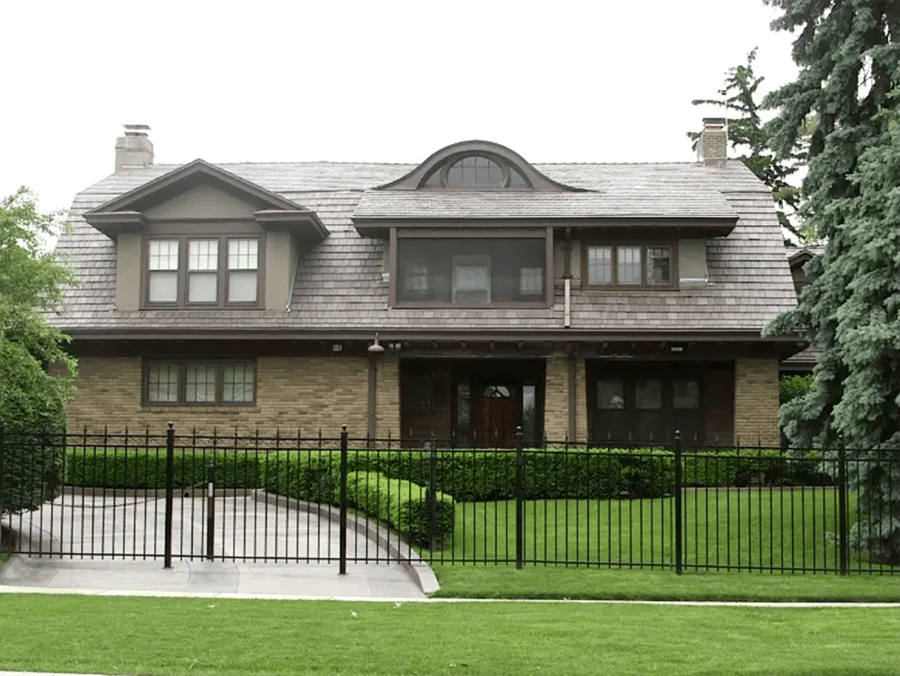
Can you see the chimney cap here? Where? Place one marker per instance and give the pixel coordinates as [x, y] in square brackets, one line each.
[714, 122]
[136, 129]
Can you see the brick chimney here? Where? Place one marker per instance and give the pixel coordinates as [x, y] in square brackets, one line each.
[134, 150]
[712, 146]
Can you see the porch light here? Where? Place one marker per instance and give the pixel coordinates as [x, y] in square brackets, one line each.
[375, 348]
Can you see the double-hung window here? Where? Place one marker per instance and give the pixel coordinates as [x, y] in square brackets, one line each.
[629, 265]
[202, 271]
[210, 383]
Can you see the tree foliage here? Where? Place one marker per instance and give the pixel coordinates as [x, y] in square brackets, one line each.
[32, 399]
[748, 135]
[849, 55]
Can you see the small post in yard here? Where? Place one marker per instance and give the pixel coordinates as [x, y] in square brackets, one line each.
[210, 509]
[520, 501]
[343, 504]
[678, 516]
[170, 490]
[843, 534]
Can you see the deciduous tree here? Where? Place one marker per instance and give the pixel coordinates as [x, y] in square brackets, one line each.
[35, 371]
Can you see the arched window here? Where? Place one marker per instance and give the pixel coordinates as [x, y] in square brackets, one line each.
[476, 172]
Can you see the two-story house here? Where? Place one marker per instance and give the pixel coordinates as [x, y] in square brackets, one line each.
[458, 298]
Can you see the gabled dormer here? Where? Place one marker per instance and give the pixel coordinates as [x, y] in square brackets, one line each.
[202, 238]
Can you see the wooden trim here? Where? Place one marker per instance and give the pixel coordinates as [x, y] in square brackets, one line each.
[537, 232]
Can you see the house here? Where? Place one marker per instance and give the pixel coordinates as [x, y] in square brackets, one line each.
[455, 299]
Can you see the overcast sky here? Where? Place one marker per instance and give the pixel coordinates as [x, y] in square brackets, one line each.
[599, 81]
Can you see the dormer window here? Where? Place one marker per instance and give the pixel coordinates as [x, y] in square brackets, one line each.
[476, 172]
[204, 271]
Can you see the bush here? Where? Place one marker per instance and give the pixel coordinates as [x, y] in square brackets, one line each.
[403, 505]
[142, 468]
[726, 467]
[791, 387]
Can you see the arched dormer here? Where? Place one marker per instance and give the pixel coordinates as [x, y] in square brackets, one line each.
[476, 165]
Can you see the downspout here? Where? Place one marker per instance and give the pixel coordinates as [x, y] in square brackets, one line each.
[287, 308]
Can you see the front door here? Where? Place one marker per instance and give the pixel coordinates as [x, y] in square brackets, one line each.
[496, 416]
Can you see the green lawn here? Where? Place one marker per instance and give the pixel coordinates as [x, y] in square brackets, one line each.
[543, 582]
[214, 636]
[727, 528]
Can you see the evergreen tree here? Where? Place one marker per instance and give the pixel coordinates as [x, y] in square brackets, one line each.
[849, 55]
[747, 134]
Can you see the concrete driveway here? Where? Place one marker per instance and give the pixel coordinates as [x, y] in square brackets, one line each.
[262, 547]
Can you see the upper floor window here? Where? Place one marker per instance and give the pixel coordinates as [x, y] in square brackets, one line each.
[476, 172]
[629, 265]
[191, 271]
[471, 272]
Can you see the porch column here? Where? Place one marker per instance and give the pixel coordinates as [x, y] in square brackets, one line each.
[756, 402]
[387, 397]
[556, 398]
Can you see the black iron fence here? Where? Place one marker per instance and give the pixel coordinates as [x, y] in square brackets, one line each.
[280, 498]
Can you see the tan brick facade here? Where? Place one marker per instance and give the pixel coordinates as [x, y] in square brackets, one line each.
[387, 398]
[309, 393]
[756, 402]
[556, 399]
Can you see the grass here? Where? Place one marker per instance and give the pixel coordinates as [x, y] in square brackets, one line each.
[724, 528]
[159, 636]
[542, 582]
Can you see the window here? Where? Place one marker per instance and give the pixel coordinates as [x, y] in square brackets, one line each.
[162, 276]
[188, 271]
[210, 383]
[242, 270]
[629, 265]
[472, 279]
[449, 271]
[476, 172]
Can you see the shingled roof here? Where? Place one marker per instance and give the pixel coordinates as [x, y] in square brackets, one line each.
[339, 285]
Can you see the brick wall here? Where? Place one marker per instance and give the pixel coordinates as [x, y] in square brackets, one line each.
[309, 393]
[387, 398]
[556, 398]
[581, 405]
[756, 402]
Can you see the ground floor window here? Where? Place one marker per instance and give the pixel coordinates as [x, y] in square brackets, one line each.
[646, 403]
[188, 382]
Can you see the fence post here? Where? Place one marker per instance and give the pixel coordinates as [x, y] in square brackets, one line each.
[210, 509]
[843, 535]
[678, 496]
[170, 489]
[342, 554]
[520, 500]
[432, 498]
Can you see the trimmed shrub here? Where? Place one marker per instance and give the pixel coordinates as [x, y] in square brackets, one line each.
[403, 505]
[740, 468]
[141, 468]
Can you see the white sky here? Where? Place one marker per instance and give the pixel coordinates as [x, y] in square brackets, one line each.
[590, 81]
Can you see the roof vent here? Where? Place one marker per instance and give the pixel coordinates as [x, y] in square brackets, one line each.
[712, 147]
[134, 150]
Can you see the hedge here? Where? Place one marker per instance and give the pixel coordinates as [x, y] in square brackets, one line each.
[403, 505]
[140, 468]
[726, 467]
